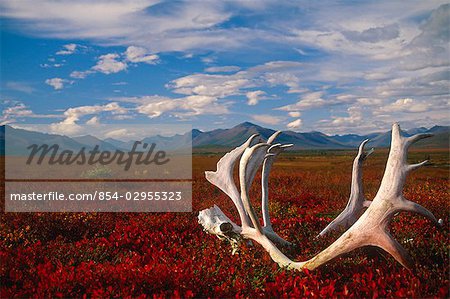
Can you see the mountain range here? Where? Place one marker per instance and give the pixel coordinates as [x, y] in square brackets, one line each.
[227, 138]
[222, 139]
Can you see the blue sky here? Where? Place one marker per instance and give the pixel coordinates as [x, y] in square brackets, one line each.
[337, 67]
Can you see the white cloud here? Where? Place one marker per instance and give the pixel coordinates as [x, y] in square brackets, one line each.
[312, 100]
[114, 63]
[210, 85]
[405, 105]
[294, 114]
[155, 106]
[10, 114]
[354, 120]
[296, 124]
[67, 49]
[13, 111]
[266, 119]
[254, 97]
[139, 54]
[307, 101]
[272, 73]
[57, 83]
[108, 64]
[80, 74]
[354, 117]
[73, 115]
[93, 121]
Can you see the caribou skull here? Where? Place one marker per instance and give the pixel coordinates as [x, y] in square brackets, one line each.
[369, 227]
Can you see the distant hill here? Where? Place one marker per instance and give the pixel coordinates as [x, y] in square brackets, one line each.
[221, 139]
[19, 140]
[238, 134]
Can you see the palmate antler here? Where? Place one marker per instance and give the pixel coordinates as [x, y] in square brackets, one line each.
[370, 229]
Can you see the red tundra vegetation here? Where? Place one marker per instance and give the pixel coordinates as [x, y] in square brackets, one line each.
[167, 255]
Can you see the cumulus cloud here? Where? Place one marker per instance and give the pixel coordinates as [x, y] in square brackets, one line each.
[210, 85]
[108, 64]
[10, 114]
[296, 124]
[354, 116]
[112, 63]
[93, 121]
[67, 49]
[73, 115]
[139, 54]
[405, 105]
[57, 83]
[157, 106]
[183, 107]
[14, 110]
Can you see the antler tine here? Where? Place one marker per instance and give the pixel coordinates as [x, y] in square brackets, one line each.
[410, 206]
[257, 159]
[356, 202]
[273, 152]
[361, 154]
[267, 165]
[417, 137]
[273, 137]
[247, 168]
[223, 177]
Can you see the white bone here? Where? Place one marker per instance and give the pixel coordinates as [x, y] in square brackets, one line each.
[370, 229]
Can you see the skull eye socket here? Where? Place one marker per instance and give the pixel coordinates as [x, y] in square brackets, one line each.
[226, 227]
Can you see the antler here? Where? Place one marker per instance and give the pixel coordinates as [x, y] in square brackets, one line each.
[223, 177]
[370, 229]
[213, 220]
[356, 202]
